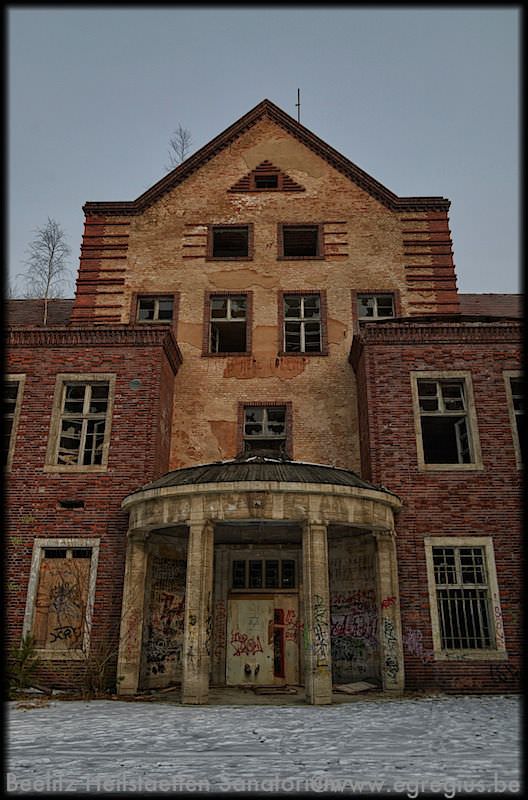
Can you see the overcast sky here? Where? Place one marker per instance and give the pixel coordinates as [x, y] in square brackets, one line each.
[426, 100]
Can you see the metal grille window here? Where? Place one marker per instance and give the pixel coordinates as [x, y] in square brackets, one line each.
[375, 306]
[155, 309]
[263, 574]
[227, 324]
[302, 323]
[518, 409]
[11, 392]
[84, 412]
[462, 594]
[300, 241]
[264, 428]
[444, 422]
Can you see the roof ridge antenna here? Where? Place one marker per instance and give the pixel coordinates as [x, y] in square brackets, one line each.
[298, 105]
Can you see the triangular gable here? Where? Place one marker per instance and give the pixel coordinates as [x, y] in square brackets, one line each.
[249, 183]
[268, 109]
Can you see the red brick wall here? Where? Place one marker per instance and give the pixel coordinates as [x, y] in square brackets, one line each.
[138, 453]
[484, 503]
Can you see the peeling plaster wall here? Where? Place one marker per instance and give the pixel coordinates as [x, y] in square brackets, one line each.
[166, 253]
[353, 609]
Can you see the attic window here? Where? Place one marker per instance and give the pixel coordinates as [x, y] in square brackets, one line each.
[229, 241]
[266, 181]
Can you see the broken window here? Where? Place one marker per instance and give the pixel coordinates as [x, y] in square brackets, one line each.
[155, 309]
[517, 395]
[265, 428]
[12, 393]
[375, 306]
[302, 323]
[463, 601]
[60, 620]
[301, 241]
[83, 423]
[229, 241]
[228, 324]
[444, 422]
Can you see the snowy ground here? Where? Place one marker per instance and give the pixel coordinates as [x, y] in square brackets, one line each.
[444, 745]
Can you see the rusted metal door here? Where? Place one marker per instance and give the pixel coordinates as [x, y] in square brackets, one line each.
[262, 640]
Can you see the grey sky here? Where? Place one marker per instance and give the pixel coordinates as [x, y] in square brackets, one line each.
[426, 100]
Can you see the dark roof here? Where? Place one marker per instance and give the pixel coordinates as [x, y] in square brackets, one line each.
[493, 305]
[267, 109]
[261, 468]
[31, 312]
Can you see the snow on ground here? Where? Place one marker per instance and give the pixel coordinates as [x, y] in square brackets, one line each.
[447, 745]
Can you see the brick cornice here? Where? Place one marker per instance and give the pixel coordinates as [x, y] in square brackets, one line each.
[435, 332]
[78, 336]
[268, 109]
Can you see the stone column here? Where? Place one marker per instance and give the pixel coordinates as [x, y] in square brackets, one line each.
[317, 656]
[197, 636]
[132, 615]
[390, 634]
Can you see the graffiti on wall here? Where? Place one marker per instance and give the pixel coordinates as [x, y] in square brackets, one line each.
[244, 645]
[321, 626]
[164, 642]
[414, 646]
[354, 632]
[390, 662]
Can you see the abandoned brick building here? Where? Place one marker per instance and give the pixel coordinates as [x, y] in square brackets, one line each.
[268, 442]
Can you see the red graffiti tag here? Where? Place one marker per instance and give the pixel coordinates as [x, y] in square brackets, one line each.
[244, 646]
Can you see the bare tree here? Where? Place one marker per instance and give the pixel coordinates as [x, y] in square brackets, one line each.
[47, 270]
[179, 146]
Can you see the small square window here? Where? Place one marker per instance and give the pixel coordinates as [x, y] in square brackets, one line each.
[375, 306]
[264, 181]
[229, 241]
[155, 309]
[301, 241]
[265, 428]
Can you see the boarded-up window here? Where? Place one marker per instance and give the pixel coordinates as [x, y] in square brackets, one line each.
[60, 619]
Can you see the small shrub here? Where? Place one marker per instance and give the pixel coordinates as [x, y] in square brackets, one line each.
[23, 664]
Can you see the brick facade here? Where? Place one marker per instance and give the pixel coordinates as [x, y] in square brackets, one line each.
[349, 406]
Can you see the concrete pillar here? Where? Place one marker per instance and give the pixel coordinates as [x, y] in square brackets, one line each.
[197, 634]
[390, 634]
[132, 615]
[317, 656]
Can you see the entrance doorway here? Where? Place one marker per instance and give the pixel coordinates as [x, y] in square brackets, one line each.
[263, 633]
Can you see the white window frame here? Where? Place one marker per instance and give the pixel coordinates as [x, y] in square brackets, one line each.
[513, 413]
[21, 380]
[156, 300]
[302, 320]
[227, 318]
[497, 652]
[62, 380]
[470, 414]
[375, 297]
[39, 545]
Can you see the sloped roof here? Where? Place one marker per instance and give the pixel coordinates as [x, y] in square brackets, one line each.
[261, 468]
[31, 312]
[492, 305]
[268, 109]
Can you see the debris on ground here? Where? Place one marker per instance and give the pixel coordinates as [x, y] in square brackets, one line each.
[354, 688]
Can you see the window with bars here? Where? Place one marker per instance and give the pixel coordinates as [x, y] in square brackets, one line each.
[263, 573]
[517, 398]
[83, 423]
[463, 598]
[264, 428]
[155, 309]
[229, 241]
[12, 394]
[444, 421]
[302, 323]
[375, 306]
[300, 241]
